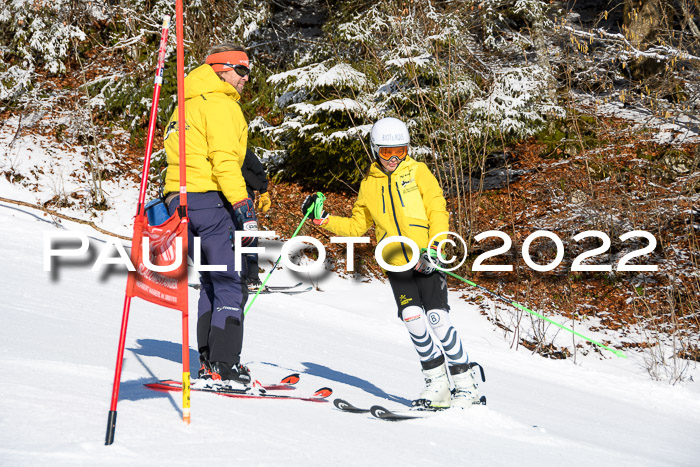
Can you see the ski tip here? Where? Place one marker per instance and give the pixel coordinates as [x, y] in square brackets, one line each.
[382, 413]
[291, 379]
[323, 392]
[159, 386]
[341, 404]
[346, 406]
[379, 411]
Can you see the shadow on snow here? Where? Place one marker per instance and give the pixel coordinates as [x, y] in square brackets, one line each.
[135, 390]
[331, 375]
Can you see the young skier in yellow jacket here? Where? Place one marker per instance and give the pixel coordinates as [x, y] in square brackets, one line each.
[401, 197]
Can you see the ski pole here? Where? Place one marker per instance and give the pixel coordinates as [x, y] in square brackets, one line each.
[524, 308]
[262, 286]
[112, 414]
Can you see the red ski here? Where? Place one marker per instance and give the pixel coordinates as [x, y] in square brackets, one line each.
[287, 383]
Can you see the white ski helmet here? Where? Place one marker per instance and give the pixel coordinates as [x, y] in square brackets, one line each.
[388, 132]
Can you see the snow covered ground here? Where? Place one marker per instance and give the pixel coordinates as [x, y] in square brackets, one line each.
[59, 333]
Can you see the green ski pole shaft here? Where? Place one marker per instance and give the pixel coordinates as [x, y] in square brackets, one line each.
[524, 308]
[262, 286]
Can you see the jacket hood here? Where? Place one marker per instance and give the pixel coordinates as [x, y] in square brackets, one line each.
[203, 80]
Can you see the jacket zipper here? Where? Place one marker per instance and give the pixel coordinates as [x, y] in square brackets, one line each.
[399, 192]
[383, 202]
[393, 211]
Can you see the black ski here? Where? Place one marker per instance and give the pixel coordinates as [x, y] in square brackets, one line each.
[378, 411]
[283, 287]
[346, 406]
[382, 413]
[289, 291]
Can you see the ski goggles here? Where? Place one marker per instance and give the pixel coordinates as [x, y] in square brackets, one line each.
[388, 153]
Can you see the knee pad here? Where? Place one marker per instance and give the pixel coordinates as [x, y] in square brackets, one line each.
[412, 317]
[439, 321]
[447, 335]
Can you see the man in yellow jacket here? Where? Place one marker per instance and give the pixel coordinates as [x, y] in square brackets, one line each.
[217, 201]
[401, 197]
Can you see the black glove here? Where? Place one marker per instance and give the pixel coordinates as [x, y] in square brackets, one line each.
[244, 218]
[313, 204]
[429, 259]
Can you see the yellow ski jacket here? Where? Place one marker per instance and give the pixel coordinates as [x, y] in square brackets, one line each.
[408, 202]
[216, 138]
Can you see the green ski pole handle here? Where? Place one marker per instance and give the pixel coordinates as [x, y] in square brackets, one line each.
[317, 207]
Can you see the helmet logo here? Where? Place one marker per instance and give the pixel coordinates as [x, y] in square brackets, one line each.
[394, 137]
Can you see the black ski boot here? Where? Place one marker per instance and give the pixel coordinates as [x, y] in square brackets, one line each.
[235, 373]
[204, 365]
[253, 283]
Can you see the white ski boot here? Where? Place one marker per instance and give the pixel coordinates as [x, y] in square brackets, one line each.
[466, 392]
[436, 394]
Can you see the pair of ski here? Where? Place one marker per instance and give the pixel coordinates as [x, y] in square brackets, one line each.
[382, 413]
[261, 391]
[285, 289]
[256, 391]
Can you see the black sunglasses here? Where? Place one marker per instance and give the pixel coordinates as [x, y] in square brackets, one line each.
[241, 70]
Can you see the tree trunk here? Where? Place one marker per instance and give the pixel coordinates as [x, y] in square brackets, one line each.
[542, 58]
[689, 17]
[643, 20]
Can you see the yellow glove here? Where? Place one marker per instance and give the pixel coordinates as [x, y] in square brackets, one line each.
[264, 202]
